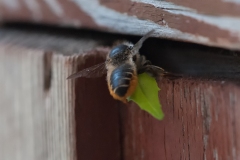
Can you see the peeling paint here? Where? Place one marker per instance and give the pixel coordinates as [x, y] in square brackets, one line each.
[34, 7]
[165, 5]
[11, 4]
[197, 99]
[215, 154]
[216, 111]
[205, 143]
[232, 99]
[234, 1]
[55, 7]
[234, 154]
[206, 111]
[62, 13]
[223, 22]
[131, 24]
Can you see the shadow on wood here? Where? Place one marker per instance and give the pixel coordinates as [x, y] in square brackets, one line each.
[97, 116]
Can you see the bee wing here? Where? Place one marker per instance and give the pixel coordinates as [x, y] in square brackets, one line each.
[95, 71]
[155, 69]
[159, 69]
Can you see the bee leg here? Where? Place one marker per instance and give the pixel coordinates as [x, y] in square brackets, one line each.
[124, 101]
[141, 70]
[150, 71]
[147, 62]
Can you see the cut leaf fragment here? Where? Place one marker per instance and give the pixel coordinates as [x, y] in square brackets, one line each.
[146, 96]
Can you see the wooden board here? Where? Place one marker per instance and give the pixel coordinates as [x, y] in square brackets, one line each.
[44, 116]
[213, 23]
[201, 122]
[37, 115]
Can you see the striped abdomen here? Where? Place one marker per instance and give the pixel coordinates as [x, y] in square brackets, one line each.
[123, 81]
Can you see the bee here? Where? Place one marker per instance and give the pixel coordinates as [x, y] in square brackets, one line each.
[123, 64]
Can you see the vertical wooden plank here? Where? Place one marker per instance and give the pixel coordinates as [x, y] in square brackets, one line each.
[36, 122]
[18, 88]
[60, 115]
[97, 116]
[200, 123]
[45, 116]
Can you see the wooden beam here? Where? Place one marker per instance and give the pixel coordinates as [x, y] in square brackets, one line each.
[212, 23]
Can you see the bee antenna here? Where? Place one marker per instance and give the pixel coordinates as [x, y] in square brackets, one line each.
[138, 45]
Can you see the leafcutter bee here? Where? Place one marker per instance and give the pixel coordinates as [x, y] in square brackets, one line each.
[123, 64]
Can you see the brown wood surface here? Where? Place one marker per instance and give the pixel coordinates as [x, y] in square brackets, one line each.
[201, 123]
[208, 22]
[97, 117]
[44, 116]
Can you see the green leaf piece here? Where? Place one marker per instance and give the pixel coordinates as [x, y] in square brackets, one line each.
[146, 96]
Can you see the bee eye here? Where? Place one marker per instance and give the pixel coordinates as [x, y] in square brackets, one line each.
[130, 47]
[118, 50]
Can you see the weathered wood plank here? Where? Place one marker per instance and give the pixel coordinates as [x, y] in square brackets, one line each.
[201, 122]
[213, 23]
[44, 116]
[36, 122]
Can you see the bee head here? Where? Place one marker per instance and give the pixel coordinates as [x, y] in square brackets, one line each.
[120, 53]
[126, 51]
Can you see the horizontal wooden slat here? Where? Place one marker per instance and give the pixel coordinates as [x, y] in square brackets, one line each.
[213, 23]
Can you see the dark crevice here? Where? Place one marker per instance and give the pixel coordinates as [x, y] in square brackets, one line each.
[121, 132]
[164, 143]
[193, 60]
[186, 59]
[47, 70]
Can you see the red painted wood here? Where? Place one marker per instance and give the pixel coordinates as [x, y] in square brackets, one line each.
[97, 117]
[201, 116]
[201, 122]
[205, 22]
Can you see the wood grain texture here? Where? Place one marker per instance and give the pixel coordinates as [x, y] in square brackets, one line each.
[36, 123]
[46, 117]
[201, 122]
[213, 23]
[97, 116]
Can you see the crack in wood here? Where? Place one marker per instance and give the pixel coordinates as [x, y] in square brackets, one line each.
[47, 75]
